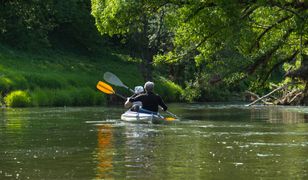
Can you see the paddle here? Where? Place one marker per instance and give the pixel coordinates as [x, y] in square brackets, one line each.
[113, 79]
[106, 88]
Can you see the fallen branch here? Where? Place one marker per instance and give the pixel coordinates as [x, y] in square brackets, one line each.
[256, 96]
[295, 97]
[277, 89]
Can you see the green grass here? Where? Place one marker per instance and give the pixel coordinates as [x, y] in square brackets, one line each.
[53, 78]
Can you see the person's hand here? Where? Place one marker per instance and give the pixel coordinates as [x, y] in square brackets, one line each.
[163, 109]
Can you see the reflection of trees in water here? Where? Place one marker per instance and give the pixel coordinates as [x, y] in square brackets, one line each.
[104, 155]
[278, 115]
[285, 116]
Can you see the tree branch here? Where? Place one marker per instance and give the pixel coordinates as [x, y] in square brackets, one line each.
[288, 59]
[256, 44]
[263, 59]
[277, 89]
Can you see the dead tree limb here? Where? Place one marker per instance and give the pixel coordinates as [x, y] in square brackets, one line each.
[277, 89]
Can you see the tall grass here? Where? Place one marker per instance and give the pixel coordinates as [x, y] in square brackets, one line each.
[53, 78]
[59, 79]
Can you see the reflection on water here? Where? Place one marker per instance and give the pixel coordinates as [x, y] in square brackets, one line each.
[279, 115]
[104, 156]
[212, 141]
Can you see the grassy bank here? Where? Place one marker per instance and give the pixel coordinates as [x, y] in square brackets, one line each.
[55, 78]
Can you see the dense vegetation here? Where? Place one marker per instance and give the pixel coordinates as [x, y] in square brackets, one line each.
[213, 47]
[54, 52]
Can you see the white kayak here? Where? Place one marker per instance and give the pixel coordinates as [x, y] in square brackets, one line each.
[132, 116]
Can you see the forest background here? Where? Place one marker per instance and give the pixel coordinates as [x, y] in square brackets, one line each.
[52, 53]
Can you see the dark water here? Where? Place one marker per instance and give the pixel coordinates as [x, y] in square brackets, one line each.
[213, 141]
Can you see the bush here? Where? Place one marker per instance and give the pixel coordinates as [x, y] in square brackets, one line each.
[191, 92]
[17, 99]
[168, 90]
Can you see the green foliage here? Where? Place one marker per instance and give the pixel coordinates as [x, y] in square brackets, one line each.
[25, 24]
[192, 92]
[11, 81]
[48, 80]
[32, 25]
[60, 79]
[68, 97]
[238, 40]
[17, 99]
[139, 25]
[168, 89]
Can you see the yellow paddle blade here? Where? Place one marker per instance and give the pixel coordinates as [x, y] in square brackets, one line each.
[104, 88]
[170, 119]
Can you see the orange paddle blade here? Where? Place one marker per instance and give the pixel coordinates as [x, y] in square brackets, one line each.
[170, 119]
[105, 88]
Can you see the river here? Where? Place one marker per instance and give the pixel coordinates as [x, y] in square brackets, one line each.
[212, 141]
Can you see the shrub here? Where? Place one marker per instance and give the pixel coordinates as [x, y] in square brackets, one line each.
[168, 90]
[17, 99]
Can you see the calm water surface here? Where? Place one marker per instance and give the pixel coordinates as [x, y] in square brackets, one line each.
[212, 141]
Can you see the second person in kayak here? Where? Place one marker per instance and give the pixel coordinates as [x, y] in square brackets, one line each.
[150, 100]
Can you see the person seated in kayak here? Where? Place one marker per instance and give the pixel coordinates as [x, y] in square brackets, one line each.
[137, 104]
[150, 100]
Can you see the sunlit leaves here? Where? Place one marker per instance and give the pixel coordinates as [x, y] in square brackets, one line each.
[232, 39]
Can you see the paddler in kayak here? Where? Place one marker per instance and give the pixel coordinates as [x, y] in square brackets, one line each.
[137, 104]
[150, 101]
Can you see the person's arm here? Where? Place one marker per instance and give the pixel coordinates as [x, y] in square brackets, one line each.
[128, 104]
[162, 103]
[130, 100]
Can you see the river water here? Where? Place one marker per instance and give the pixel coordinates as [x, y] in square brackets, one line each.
[212, 141]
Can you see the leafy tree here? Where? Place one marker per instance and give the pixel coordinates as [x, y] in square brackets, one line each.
[25, 24]
[35, 24]
[139, 24]
[228, 41]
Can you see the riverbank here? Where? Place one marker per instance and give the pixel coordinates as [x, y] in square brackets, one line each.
[57, 78]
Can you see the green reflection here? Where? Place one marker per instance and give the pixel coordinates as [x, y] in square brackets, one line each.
[14, 119]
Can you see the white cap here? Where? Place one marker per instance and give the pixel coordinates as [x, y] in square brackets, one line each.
[138, 89]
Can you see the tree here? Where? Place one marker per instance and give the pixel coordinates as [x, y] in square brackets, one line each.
[242, 40]
[35, 24]
[25, 24]
[139, 24]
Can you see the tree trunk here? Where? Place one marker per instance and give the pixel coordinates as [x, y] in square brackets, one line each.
[149, 65]
[305, 99]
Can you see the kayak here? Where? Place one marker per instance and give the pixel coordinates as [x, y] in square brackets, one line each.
[132, 116]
